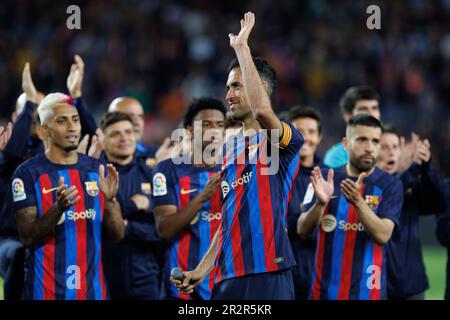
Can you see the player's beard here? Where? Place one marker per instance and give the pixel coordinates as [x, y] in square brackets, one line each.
[123, 157]
[359, 165]
[70, 148]
[241, 113]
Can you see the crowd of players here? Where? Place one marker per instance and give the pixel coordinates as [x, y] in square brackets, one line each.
[91, 213]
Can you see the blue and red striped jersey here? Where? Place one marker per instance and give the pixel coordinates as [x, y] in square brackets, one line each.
[68, 263]
[178, 185]
[253, 236]
[348, 263]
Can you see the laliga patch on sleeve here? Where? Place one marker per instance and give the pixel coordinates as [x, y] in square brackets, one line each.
[159, 184]
[309, 194]
[18, 190]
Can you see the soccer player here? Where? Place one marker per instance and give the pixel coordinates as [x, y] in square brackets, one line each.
[423, 195]
[308, 121]
[134, 109]
[443, 233]
[251, 251]
[26, 141]
[23, 143]
[356, 100]
[62, 199]
[132, 266]
[186, 197]
[354, 213]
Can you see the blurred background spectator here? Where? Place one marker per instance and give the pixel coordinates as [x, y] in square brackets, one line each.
[166, 52]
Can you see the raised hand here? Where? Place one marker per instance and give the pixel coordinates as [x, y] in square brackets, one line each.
[5, 135]
[96, 148]
[423, 152]
[246, 27]
[211, 186]
[407, 152]
[352, 190]
[75, 78]
[108, 185]
[82, 145]
[65, 197]
[322, 188]
[28, 85]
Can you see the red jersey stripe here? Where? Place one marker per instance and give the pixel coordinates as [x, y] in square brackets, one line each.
[185, 238]
[315, 291]
[49, 242]
[349, 251]
[265, 205]
[214, 226]
[375, 293]
[235, 231]
[219, 252]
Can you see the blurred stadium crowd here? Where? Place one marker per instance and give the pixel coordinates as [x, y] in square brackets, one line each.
[166, 52]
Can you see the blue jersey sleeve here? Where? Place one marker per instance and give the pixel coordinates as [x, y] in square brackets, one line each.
[88, 125]
[21, 132]
[23, 192]
[392, 201]
[164, 186]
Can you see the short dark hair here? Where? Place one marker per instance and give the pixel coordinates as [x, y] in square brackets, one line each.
[200, 104]
[365, 120]
[305, 112]
[353, 94]
[111, 118]
[265, 70]
[389, 128]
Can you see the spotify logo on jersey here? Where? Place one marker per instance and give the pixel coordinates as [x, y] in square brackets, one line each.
[328, 223]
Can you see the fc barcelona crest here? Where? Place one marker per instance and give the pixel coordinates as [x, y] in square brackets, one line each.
[92, 188]
[372, 202]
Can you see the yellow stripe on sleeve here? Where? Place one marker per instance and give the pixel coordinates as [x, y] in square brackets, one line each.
[287, 135]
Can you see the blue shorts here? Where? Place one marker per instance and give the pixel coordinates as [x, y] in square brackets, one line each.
[260, 286]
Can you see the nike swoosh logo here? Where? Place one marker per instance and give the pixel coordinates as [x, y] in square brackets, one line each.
[187, 191]
[45, 191]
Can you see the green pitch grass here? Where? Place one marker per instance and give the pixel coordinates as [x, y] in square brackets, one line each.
[435, 262]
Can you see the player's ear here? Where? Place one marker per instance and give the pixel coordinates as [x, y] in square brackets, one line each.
[345, 143]
[42, 131]
[266, 86]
